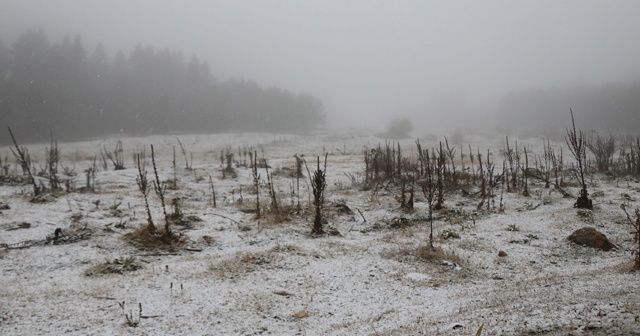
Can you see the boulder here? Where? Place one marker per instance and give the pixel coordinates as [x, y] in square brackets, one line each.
[590, 237]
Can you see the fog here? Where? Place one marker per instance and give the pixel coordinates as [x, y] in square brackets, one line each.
[368, 61]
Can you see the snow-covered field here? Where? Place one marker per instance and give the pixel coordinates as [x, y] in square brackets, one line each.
[240, 276]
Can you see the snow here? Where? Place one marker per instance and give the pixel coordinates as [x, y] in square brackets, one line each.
[360, 283]
[418, 276]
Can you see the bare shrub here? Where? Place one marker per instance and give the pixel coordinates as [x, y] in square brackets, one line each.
[143, 186]
[52, 160]
[256, 183]
[188, 165]
[272, 192]
[441, 168]
[227, 157]
[488, 181]
[213, 192]
[299, 163]
[318, 183]
[160, 189]
[116, 157]
[577, 144]
[428, 182]
[525, 174]
[635, 224]
[24, 160]
[90, 175]
[511, 156]
[603, 150]
[629, 158]
[148, 236]
[4, 166]
[382, 163]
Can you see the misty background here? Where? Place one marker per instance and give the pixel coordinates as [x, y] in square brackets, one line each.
[443, 64]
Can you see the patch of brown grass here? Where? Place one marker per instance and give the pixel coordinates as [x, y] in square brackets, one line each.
[289, 248]
[399, 235]
[119, 265]
[437, 254]
[274, 217]
[347, 191]
[243, 262]
[284, 214]
[143, 238]
[476, 245]
[620, 268]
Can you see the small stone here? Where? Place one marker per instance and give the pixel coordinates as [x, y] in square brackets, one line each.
[282, 292]
[593, 326]
[502, 254]
[456, 326]
[301, 314]
[333, 232]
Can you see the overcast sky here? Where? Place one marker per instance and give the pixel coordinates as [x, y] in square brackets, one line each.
[366, 58]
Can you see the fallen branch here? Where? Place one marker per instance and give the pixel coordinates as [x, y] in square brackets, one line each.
[22, 244]
[225, 217]
[19, 226]
[361, 215]
[103, 297]
[157, 254]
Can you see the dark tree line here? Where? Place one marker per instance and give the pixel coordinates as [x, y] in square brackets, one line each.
[61, 88]
[606, 107]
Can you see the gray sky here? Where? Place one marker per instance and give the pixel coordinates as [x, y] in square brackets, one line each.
[367, 60]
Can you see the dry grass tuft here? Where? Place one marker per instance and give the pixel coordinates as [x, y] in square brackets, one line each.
[476, 245]
[118, 265]
[621, 268]
[288, 248]
[397, 236]
[438, 254]
[143, 238]
[280, 215]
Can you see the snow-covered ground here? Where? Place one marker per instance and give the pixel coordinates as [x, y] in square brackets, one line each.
[242, 276]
